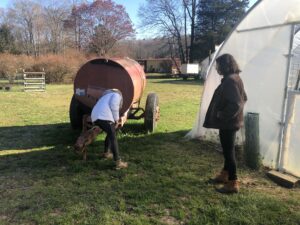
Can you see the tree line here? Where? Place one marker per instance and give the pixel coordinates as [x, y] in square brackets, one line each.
[185, 29]
[38, 27]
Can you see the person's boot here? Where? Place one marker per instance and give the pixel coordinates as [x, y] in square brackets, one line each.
[232, 186]
[107, 155]
[121, 165]
[221, 178]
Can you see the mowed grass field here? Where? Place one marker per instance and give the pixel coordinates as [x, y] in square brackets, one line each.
[43, 182]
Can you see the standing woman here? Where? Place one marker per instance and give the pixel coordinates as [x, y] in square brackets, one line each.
[225, 113]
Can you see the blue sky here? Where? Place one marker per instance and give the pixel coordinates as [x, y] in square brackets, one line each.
[131, 7]
[3, 3]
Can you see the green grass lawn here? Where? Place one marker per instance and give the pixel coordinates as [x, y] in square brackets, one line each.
[43, 182]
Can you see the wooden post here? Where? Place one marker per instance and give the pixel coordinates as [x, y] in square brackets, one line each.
[297, 82]
[252, 148]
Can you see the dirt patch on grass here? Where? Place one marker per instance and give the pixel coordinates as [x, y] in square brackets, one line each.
[56, 212]
[169, 220]
[265, 186]
[249, 181]
[3, 217]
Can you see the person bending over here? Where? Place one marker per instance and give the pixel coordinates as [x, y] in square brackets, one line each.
[105, 114]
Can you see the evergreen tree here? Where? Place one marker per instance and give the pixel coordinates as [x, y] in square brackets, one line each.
[6, 40]
[215, 19]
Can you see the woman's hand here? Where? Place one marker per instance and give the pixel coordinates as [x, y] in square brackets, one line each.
[120, 122]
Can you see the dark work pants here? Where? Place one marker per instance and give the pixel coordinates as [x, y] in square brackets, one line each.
[111, 142]
[227, 138]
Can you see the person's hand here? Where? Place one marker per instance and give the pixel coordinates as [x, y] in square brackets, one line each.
[124, 117]
[123, 120]
[118, 124]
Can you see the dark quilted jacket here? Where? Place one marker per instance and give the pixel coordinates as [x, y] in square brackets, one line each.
[226, 107]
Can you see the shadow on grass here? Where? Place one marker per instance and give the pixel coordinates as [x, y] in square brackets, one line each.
[133, 129]
[51, 137]
[42, 147]
[165, 172]
[59, 177]
[45, 153]
[35, 136]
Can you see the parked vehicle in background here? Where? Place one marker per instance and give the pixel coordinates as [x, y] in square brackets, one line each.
[189, 70]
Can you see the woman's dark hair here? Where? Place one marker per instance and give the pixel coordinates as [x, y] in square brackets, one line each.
[227, 65]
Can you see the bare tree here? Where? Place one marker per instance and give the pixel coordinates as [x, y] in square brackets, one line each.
[2, 15]
[55, 15]
[190, 7]
[74, 23]
[25, 16]
[167, 18]
[99, 25]
[39, 27]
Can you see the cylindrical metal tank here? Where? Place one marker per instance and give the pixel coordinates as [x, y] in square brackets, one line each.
[99, 74]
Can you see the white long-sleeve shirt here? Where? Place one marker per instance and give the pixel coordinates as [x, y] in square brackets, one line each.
[107, 107]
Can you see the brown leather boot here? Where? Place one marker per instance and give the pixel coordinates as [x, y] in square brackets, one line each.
[232, 186]
[121, 165]
[107, 155]
[220, 178]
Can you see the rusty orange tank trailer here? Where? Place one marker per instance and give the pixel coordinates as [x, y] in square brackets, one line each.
[125, 74]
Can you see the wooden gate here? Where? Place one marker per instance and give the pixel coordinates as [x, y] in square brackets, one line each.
[34, 81]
